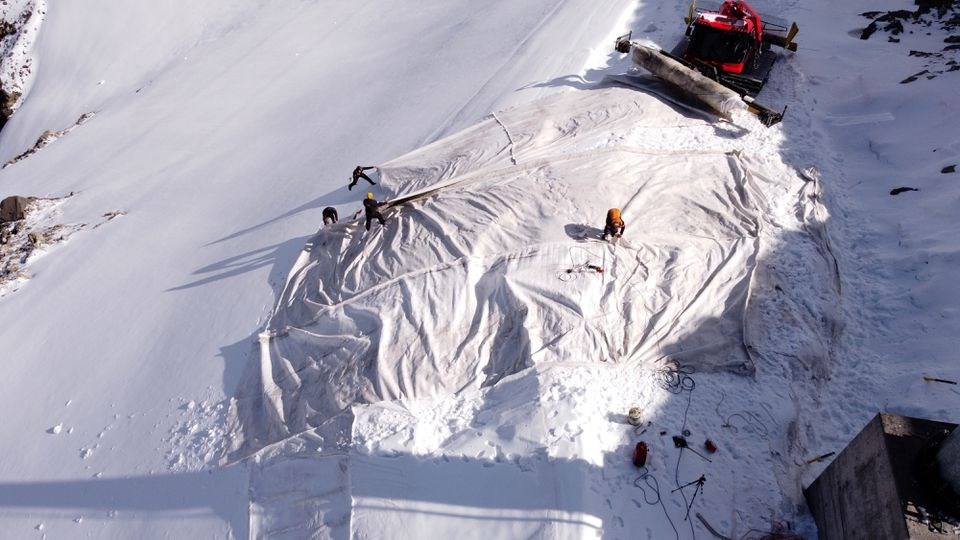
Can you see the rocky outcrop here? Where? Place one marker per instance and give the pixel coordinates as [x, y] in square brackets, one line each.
[19, 26]
[942, 15]
[48, 137]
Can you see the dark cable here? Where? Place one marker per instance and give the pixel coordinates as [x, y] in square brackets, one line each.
[655, 487]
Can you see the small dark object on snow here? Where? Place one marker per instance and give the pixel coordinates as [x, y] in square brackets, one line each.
[899, 190]
[708, 444]
[13, 208]
[584, 267]
[640, 454]
[949, 169]
[662, 433]
[680, 442]
[819, 458]
[934, 379]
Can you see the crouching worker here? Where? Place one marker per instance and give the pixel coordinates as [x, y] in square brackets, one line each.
[330, 216]
[371, 208]
[615, 225]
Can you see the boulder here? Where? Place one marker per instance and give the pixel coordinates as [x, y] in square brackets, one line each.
[13, 208]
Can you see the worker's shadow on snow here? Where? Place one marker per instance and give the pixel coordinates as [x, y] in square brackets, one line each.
[582, 232]
[280, 256]
[217, 493]
[338, 196]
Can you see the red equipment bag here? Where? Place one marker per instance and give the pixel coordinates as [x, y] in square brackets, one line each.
[640, 454]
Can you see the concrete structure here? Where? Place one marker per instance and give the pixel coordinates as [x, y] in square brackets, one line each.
[885, 485]
[948, 458]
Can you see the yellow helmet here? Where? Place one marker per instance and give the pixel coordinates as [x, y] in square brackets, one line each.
[369, 195]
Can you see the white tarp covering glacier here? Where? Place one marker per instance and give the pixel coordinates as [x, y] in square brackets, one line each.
[490, 263]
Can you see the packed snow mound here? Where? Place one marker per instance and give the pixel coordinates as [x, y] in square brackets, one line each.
[491, 262]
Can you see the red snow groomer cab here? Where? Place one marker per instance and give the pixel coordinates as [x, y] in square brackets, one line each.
[731, 44]
[723, 59]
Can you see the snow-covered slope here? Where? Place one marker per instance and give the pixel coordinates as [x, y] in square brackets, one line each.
[221, 131]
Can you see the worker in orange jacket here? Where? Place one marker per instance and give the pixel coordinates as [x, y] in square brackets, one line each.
[615, 226]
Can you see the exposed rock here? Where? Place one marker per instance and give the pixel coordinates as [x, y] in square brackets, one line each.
[909, 79]
[930, 15]
[941, 6]
[48, 137]
[17, 35]
[14, 208]
[8, 103]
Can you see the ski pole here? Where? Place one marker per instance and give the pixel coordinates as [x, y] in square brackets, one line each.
[819, 458]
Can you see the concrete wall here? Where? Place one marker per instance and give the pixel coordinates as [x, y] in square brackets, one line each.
[949, 460]
[856, 496]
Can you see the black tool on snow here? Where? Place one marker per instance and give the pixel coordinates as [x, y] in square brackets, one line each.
[680, 442]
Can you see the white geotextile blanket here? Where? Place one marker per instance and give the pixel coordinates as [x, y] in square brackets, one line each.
[497, 271]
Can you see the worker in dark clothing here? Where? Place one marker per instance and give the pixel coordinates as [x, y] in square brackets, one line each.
[358, 174]
[371, 209]
[615, 226]
[330, 216]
